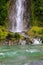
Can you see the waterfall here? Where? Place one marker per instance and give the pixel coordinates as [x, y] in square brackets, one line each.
[16, 19]
[19, 17]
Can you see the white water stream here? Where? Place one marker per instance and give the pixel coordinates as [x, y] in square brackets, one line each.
[17, 23]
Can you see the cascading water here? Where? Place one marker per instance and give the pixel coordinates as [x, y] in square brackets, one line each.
[19, 17]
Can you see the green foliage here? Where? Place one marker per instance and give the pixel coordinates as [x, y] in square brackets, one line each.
[36, 31]
[17, 36]
[14, 36]
[37, 12]
[3, 33]
[9, 36]
[3, 11]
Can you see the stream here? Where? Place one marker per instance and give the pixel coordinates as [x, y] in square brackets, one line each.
[21, 55]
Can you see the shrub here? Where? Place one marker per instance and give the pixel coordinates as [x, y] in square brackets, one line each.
[36, 31]
[16, 36]
[9, 36]
[3, 33]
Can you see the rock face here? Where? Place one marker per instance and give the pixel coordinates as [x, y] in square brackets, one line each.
[27, 13]
[19, 15]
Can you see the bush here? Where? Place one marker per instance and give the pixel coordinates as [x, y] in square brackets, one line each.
[36, 31]
[16, 36]
[9, 36]
[37, 12]
[3, 33]
[4, 8]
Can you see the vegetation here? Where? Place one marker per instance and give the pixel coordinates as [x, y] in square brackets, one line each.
[37, 12]
[36, 20]
[36, 31]
[4, 6]
[4, 12]
[3, 33]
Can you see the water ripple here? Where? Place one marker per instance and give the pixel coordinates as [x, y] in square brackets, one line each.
[33, 50]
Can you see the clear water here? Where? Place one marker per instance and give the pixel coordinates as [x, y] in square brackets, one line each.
[21, 55]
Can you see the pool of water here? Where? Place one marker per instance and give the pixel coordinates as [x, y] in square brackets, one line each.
[21, 55]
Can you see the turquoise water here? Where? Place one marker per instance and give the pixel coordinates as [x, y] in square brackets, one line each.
[21, 55]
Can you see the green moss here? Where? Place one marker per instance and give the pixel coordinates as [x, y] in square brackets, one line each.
[36, 31]
[3, 33]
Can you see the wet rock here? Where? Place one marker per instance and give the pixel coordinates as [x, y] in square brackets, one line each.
[34, 63]
[37, 41]
[22, 42]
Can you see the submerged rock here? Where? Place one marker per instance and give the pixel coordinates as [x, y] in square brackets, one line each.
[22, 42]
[34, 63]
